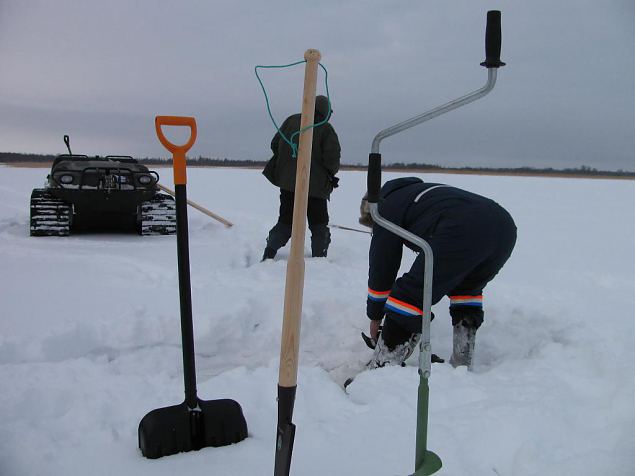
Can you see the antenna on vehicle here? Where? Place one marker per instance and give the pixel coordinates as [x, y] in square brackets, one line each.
[67, 141]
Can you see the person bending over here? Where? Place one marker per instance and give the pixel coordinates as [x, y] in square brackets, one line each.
[471, 238]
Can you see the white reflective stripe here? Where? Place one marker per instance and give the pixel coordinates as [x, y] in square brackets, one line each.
[427, 190]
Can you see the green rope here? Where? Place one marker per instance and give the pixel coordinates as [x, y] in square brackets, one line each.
[294, 147]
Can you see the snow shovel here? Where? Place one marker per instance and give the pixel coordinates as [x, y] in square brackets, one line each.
[427, 462]
[294, 287]
[195, 423]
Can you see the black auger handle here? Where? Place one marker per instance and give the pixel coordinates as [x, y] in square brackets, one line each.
[373, 180]
[493, 40]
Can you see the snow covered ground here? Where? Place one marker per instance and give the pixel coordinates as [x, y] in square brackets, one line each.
[90, 340]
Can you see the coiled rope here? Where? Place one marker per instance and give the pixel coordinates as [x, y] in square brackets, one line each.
[289, 140]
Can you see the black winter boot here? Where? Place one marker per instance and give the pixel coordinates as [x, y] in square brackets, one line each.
[269, 253]
[320, 240]
[465, 322]
[277, 238]
[463, 341]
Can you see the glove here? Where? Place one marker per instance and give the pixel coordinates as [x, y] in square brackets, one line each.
[371, 342]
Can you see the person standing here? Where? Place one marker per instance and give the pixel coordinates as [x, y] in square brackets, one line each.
[281, 171]
[471, 238]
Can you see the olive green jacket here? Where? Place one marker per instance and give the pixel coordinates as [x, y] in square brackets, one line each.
[325, 157]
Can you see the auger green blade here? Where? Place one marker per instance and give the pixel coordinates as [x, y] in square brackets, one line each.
[431, 464]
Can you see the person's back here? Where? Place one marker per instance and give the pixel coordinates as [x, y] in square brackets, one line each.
[419, 206]
[325, 153]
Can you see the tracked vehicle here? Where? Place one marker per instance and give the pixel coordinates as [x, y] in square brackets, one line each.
[100, 193]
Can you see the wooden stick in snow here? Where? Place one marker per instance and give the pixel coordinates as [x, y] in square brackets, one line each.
[201, 209]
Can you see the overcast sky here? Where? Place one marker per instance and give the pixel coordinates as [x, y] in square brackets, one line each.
[101, 70]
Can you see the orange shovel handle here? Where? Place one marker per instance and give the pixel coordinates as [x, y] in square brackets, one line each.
[178, 151]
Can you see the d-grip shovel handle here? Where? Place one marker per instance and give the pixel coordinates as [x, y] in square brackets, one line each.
[178, 151]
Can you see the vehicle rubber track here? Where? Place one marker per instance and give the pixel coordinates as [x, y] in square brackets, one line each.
[158, 216]
[50, 216]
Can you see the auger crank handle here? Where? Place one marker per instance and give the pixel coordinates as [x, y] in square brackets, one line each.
[493, 38]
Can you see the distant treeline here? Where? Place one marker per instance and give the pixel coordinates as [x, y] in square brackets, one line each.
[8, 157]
[584, 170]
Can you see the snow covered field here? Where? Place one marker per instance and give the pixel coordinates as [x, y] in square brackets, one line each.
[90, 340]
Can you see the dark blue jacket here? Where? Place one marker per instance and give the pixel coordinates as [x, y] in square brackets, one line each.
[456, 223]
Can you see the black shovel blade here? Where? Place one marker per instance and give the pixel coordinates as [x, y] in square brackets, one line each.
[170, 430]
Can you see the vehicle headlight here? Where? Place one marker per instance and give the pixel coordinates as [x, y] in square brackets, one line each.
[145, 179]
[66, 179]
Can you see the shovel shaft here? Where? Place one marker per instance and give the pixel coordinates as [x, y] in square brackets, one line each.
[294, 286]
[185, 294]
[182, 247]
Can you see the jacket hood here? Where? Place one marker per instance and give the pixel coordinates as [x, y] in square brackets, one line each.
[396, 184]
[322, 106]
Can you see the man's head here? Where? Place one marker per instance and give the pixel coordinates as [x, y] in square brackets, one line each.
[364, 212]
[322, 106]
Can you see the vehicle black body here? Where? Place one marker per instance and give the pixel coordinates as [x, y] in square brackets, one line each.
[101, 193]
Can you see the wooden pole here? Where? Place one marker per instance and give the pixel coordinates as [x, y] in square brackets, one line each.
[294, 287]
[295, 266]
[199, 208]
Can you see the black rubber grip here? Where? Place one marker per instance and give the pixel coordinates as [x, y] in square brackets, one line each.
[493, 38]
[373, 181]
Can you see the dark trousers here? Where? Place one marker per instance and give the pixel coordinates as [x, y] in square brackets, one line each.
[317, 215]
